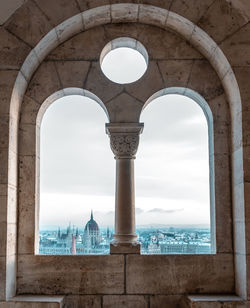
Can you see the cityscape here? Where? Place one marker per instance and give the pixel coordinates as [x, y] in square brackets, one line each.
[91, 239]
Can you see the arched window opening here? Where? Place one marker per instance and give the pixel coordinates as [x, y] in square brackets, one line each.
[76, 179]
[124, 60]
[174, 172]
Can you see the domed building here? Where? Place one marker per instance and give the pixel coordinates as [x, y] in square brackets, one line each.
[92, 236]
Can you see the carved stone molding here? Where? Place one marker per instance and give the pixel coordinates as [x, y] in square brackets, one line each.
[124, 138]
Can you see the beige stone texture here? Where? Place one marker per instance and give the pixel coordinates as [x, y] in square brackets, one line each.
[150, 83]
[193, 10]
[175, 73]
[4, 165]
[84, 46]
[174, 61]
[89, 4]
[27, 135]
[78, 69]
[161, 44]
[44, 83]
[122, 102]
[218, 11]
[29, 24]
[64, 10]
[173, 301]
[125, 248]
[12, 51]
[29, 111]
[161, 274]
[87, 301]
[102, 16]
[236, 47]
[152, 15]
[85, 274]
[26, 211]
[7, 80]
[9, 8]
[2, 277]
[118, 14]
[125, 301]
[29, 301]
[202, 70]
[97, 82]
[220, 301]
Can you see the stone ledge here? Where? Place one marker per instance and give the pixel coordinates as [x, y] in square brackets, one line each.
[34, 301]
[125, 248]
[214, 301]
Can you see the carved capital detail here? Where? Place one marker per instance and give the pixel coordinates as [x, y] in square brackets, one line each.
[124, 145]
[124, 138]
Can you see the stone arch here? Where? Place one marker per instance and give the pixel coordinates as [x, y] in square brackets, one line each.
[67, 92]
[153, 16]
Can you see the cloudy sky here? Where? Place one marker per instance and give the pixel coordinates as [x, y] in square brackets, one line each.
[78, 168]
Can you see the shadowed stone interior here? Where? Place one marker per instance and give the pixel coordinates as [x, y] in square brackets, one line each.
[50, 49]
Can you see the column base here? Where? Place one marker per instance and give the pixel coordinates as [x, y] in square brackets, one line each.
[125, 248]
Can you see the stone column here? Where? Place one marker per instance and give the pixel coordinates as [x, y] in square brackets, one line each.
[124, 141]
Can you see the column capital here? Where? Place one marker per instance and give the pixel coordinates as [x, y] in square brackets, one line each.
[124, 138]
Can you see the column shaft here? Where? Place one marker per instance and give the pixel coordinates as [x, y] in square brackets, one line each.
[125, 201]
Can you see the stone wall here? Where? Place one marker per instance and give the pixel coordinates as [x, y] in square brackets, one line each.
[181, 56]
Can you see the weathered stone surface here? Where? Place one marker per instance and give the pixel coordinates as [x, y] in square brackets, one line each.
[236, 47]
[175, 73]
[29, 23]
[119, 104]
[202, 71]
[150, 83]
[4, 165]
[58, 10]
[193, 10]
[28, 301]
[78, 69]
[26, 211]
[87, 301]
[85, 274]
[44, 83]
[9, 8]
[179, 274]
[162, 44]
[7, 80]
[220, 108]
[27, 135]
[124, 12]
[173, 301]
[218, 11]
[97, 83]
[125, 248]
[29, 111]
[12, 51]
[125, 301]
[206, 301]
[102, 16]
[2, 275]
[84, 46]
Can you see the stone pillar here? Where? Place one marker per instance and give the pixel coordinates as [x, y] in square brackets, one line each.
[124, 141]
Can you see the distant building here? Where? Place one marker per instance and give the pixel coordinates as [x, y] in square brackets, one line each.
[92, 235]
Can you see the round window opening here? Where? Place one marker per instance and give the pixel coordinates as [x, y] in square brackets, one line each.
[124, 60]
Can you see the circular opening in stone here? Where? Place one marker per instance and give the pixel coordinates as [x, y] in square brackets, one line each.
[124, 60]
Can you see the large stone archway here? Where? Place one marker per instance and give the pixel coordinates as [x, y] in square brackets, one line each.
[143, 14]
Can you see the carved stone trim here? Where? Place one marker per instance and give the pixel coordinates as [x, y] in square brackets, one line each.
[124, 138]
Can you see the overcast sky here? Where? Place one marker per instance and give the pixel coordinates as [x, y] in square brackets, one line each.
[78, 166]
